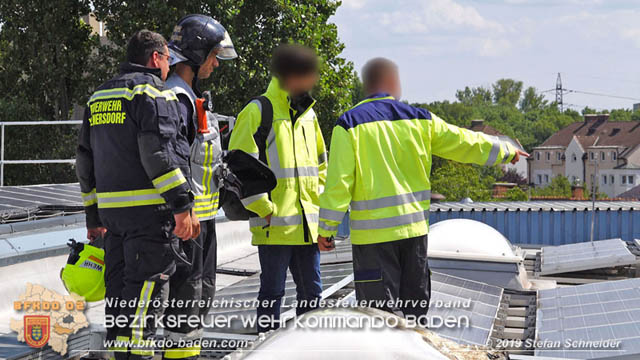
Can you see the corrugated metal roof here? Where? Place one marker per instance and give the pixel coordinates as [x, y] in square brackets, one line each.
[536, 206]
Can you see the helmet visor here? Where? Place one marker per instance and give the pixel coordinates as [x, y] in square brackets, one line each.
[175, 57]
[225, 48]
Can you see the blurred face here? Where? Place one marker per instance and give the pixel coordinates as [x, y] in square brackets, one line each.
[392, 84]
[300, 84]
[160, 60]
[209, 64]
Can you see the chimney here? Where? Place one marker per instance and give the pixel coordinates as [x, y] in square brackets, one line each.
[577, 191]
[499, 189]
[595, 120]
[476, 122]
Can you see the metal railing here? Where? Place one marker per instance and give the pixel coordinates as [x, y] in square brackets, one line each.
[41, 161]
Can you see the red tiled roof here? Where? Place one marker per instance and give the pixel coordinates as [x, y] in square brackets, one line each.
[597, 130]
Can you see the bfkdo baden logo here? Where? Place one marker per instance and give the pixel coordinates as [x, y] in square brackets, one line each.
[36, 330]
[48, 317]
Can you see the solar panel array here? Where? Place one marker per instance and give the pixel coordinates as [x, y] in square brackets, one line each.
[585, 256]
[26, 201]
[594, 314]
[483, 302]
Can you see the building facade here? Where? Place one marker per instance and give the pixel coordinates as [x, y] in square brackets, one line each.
[593, 151]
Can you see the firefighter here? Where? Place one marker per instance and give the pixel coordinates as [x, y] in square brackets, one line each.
[379, 167]
[291, 143]
[131, 161]
[197, 42]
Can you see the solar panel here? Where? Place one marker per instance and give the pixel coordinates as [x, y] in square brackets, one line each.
[582, 321]
[236, 300]
[585, 256]
[459, 299]
[24, 201]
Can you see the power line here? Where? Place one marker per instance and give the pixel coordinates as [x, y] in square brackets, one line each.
[604, 95]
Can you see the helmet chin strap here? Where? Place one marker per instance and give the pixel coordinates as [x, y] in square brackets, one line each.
[194, 82]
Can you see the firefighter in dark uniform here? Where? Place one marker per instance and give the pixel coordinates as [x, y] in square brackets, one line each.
[197, 42]
[132, 164]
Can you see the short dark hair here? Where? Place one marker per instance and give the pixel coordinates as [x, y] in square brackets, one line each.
[293, 59]
[142, 45]
[375, 70]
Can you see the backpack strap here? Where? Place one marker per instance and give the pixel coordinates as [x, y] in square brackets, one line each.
[266, 121]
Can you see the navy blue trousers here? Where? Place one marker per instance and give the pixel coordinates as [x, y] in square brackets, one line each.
[304, 263]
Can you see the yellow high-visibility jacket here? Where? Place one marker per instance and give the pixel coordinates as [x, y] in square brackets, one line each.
[297, 155]
[380, 164]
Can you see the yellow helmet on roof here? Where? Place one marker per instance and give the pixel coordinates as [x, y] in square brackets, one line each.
[84, 272]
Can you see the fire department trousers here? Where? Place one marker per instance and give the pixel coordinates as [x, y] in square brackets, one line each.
[394, 276]
[139, 260]
[196, 282]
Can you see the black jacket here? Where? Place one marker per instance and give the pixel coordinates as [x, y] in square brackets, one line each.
[132, 150]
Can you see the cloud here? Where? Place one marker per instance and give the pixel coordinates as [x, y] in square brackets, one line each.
[354, 4]
[434, 15]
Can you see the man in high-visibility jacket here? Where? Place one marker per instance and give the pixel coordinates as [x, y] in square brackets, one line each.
[379, 168]
[131, 159]
[286, 224]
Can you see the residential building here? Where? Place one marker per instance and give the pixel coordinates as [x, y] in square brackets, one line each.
[595, 149]
[520, 166]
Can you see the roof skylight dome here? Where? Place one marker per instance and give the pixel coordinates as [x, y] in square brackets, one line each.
[466, 239]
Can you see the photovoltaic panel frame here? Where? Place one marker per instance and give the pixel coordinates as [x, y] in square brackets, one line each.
[483, 302]
[585, 256]
[592, 313]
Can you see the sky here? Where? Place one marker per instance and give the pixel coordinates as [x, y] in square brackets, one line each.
[444, 45]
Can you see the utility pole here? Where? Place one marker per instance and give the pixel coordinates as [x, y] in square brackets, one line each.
[559, 92]
[593, 198]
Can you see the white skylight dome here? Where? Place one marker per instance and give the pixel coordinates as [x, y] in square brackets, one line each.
[466, 239]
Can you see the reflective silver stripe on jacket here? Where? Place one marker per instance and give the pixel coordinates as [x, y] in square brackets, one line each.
[324, 226]
[274, 162]
[387, 201]
[253, 198]
[277, 221]
[507, 153]
[495, 150]
[389, 222]
[331, 215]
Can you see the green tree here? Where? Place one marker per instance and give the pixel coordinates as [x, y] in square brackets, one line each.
[516, 194]
[507, 91]
[474, 96]
[531, 100]
[457, 181]
[256, 28]
[45, 50]
[559, 187]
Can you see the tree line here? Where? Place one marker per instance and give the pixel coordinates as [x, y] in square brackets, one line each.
[51, 61]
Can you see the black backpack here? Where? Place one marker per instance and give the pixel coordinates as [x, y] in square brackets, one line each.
[229, 194]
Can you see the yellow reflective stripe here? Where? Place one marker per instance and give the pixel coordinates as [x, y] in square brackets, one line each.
[169, 181]
[142, 352]
[182, 353]
[118, 199]
[130, 93]
[121, 341]
[209, 166]
[89, 198]
[141, 312]
[373, 99]
[205, 207]
[203, 215]
[204, 164]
